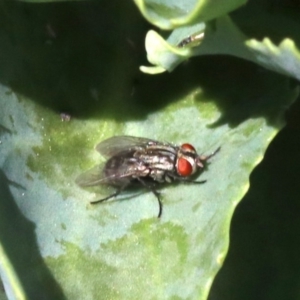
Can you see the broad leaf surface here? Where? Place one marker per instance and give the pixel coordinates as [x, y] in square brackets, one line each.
[54, 244]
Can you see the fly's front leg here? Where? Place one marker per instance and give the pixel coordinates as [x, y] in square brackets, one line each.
[118, 191]
[155, 192]
[187, 180]
[193, 181]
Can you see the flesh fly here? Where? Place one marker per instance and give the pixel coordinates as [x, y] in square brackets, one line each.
[145, 162]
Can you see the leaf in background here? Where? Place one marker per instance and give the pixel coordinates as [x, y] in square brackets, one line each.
[170, 14]
[284, 59]
[222, 36]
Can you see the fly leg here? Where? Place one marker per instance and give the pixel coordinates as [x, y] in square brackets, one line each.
[207, 157]
[193, 181]
[155, 192]
[115, 194]
[187, 180]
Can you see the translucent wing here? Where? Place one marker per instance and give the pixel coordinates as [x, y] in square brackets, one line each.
[97, 176]
[92, 177]
[117, 144]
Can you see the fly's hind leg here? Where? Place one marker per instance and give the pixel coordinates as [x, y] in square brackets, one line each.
[155, 192]
[115, 194]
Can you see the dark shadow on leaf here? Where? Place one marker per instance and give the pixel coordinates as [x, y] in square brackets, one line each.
[17, 236]
[241, 89]
[263, 260]
[82, 59]
[4, 130]
[275, 19]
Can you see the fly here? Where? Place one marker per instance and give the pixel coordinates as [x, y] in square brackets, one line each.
[192, 40]
[146, 162]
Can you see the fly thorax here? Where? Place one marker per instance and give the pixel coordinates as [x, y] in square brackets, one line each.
[157, 175]
[156, 159]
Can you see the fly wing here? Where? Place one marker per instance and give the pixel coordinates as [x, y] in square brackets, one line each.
[117, 144]
[92, 177]
[96, 176]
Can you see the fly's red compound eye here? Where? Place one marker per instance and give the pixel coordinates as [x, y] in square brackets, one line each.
[184, 167]
[188, 147]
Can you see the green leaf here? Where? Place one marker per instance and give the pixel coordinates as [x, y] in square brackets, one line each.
[92, 250]
[284, 59]
[53, 243]
[277, 50]
[170, 14]
[224, 38]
